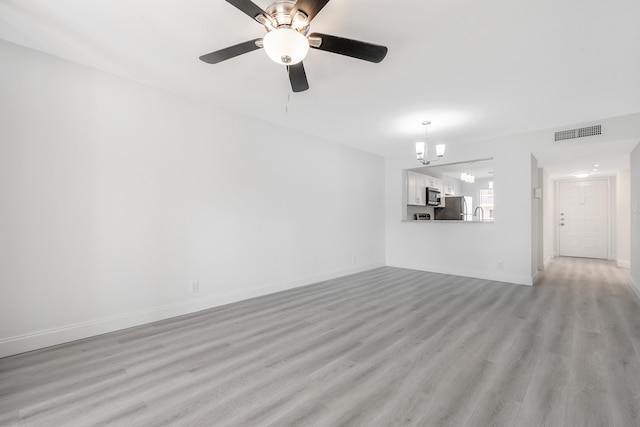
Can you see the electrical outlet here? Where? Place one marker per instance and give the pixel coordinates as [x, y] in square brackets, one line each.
[195, 287]
[500, 265]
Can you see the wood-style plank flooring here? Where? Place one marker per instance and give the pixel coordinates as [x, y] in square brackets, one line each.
[388, 347]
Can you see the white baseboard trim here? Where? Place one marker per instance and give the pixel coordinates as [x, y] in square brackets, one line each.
[535, 276]
[41, 339]
[484, 275]
[623, 263]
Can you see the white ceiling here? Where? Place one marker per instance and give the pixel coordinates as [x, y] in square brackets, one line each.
[475, 69]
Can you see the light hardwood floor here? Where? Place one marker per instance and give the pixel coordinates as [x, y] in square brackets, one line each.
[387, 347]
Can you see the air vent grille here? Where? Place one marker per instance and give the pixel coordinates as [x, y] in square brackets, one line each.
[578, 133]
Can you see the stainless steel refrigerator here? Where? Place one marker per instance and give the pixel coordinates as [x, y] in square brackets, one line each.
[457, 208]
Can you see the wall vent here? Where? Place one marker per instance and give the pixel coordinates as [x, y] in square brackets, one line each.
[579, 133]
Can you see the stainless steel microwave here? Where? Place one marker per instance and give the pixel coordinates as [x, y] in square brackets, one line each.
[433, 197]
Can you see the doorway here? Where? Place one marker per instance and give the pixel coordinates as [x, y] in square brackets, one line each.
[583, 218]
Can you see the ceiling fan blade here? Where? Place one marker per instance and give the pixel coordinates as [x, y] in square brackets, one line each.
[309, 7]
[230, 52]
[353, 48]
[298, 77]
[251, 9]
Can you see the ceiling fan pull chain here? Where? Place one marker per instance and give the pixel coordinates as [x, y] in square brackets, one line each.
[287, 89]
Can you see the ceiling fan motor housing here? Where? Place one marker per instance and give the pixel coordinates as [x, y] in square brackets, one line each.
[286, 42]
[280, 11]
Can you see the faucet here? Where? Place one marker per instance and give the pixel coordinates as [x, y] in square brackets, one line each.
[475, 213]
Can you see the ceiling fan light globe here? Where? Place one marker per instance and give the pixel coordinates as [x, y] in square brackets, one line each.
[285, 46]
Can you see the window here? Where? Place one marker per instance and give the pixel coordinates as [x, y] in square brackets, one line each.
[485, 201]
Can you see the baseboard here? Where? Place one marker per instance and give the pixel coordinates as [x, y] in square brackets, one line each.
[61, 335]
[535, 277]
[499, 276]
[623, 263]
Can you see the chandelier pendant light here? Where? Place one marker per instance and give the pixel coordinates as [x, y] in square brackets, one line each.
[468, 177]
[421, 148]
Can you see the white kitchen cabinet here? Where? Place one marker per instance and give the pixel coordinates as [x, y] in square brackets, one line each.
[422, 189]
[432, 182]
[411, 188]
[416, 189]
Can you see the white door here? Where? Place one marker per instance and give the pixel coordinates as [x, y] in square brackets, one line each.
[583, 218]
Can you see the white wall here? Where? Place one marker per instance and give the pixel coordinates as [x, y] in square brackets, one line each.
[471, 249]
[548, 218]
[465, 248]
[635, 219]
[622, 221]
[535, 204]
[540, 219]
[117, 196]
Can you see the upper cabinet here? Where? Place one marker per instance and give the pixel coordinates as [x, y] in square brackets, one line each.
[417, 184]
[416, 189]
[432, 182]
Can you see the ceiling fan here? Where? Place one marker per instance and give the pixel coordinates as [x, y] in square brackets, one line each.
[288, 40]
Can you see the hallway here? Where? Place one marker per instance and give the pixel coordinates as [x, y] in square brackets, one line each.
[596, 329]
